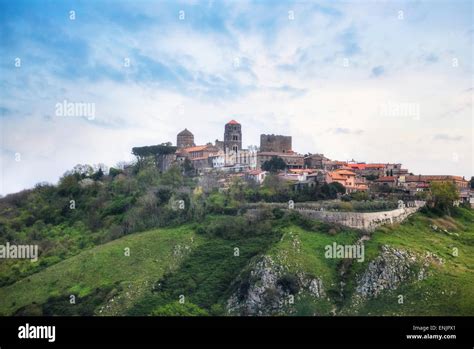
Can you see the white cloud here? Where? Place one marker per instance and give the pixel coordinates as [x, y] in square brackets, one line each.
[309, 100]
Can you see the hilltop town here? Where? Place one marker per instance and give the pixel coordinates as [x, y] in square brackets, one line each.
[227, 159]
[239, 232]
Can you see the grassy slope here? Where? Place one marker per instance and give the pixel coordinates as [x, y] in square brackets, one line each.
[205, 276]
[302, 250]
[152, 253]
[449, 288]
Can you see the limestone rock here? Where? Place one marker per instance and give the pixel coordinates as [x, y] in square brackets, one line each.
[262, 293]
[390, 269]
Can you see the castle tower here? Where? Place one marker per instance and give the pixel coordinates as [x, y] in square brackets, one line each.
[275, 143]
[185, 139]
[233, 136]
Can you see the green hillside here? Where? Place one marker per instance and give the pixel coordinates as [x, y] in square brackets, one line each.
[152, 254]
[199, 261]
[449, 287]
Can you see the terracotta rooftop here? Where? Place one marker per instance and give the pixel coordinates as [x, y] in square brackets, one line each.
[345, 172]
[337, 176]
[375, 166]
[233, 122]
[429, 178]
[196, 148]
[364, 166]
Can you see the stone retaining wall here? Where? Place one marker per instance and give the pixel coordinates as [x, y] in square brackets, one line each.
[368, 221]
[362, 220]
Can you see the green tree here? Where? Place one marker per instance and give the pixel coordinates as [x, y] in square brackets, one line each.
[360, 195]
[151, 152]
[173, 177]
[275, 188]
[237, 189]
[443, 195]
[331, 190]
[68, 185]
[98, 175]
[188, 167]
[114, 172]
[273, 165]
[371, 177]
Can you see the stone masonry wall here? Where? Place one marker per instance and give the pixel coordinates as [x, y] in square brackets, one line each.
[275, 143]
[368, 221]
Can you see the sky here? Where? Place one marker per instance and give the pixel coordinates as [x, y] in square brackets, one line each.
[373, 81]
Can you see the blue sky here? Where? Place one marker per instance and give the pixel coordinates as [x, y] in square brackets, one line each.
[333, 74]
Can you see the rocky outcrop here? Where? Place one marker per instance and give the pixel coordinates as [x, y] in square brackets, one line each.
[269, 289]
[391, 268]
[387, 271]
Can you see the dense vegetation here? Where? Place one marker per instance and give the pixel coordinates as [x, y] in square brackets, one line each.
[89, 207]
[274, 165]
[82, 212]
[194, 241]
[449, 288]
[205, 277]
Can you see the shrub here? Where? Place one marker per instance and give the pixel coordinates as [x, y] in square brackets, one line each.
[114, 172]
[443, 195]
[178, 309]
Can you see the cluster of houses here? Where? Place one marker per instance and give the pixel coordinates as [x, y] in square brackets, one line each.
[228, 159]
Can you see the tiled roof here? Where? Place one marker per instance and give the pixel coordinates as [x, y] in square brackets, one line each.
[185, 132]
[442, 178]
[345, 172]
[357, 187]
[233, 122]
[302, 170]
[337, 176]
[429, 178]
[271, 153]
[196, 148]
[365, 166]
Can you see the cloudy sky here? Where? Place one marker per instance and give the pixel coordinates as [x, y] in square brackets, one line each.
[374, 81]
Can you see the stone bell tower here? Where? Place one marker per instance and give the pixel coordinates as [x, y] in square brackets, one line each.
[232, 136]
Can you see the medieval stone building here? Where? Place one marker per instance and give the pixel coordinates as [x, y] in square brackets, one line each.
[232, 136]
[275, 143]
[185, 139]
[291, 159]
[318, 161]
